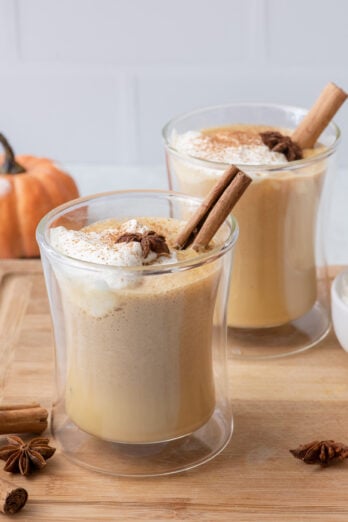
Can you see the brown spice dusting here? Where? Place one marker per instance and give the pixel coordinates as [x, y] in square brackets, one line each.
[148, 241]
[23, 457]
[277, 142]
[321, 452]
[232, 138]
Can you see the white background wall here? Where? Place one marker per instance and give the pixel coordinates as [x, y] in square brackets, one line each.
[95, 80]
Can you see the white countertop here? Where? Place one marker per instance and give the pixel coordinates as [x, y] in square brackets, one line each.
[101, 178]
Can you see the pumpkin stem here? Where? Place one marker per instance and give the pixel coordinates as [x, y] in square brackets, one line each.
[10, 165]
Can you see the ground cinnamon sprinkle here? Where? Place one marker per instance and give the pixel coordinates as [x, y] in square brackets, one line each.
[231, 138]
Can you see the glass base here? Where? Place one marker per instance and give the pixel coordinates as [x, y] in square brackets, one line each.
[280, 341]
[141, 460]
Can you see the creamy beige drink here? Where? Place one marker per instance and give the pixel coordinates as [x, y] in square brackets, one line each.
[139, 354]
[274, 274]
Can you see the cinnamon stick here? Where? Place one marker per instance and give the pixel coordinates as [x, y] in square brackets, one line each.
[187, 235]
[221, 210]
[20, 406]
[319, 116]
[12, 499]
[23, 418]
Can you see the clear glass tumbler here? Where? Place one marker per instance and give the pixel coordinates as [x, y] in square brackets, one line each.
[279, 301]
[141, 369]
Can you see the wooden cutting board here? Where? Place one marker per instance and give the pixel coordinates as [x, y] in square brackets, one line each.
[277, 405]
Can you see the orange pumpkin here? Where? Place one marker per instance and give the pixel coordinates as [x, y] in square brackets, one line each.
[29, 188]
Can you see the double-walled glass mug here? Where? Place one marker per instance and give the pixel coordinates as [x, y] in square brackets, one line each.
[142, 385]
[279, 301]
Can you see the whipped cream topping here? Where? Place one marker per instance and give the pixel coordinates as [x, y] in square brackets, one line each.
[101, 247]
[97, 290]
[199, 145]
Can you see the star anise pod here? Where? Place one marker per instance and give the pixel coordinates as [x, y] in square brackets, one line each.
[321, 452]
[149, 241]
[276, 142]
[23, 457]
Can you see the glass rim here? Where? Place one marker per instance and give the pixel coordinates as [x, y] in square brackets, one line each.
[219, 165]
[75, 204]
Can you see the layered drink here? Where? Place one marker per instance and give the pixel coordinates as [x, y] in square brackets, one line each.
[139, 365]
[274, 278]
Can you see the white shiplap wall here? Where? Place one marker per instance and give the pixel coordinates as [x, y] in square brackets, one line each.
[95, 80]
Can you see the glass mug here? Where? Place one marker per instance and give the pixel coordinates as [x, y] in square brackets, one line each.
[279, 301]
[141, 370]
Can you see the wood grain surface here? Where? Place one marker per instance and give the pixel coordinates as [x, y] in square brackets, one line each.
[277, 405]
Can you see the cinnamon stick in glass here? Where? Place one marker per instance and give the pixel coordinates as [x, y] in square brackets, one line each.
[186, 236]
[221, 210]
[319, 116]
[214, 209]
[22, 418]
[12, 499]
